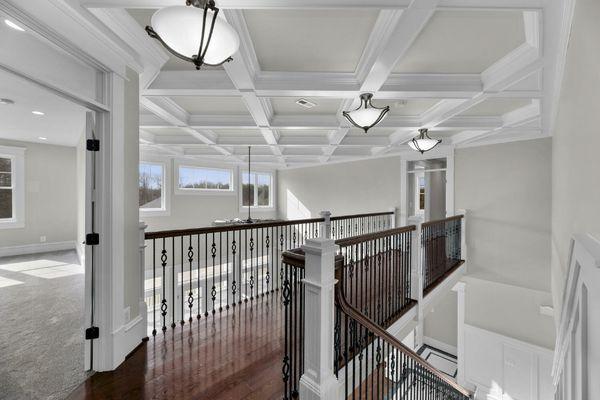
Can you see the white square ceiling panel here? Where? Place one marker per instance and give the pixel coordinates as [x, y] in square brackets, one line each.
[199, 105]
[410, 107]
[496, 107]
[310, 40]
[313, 106]
[463, 42]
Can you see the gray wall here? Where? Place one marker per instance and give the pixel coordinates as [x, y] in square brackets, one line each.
[345, 188]
[50, 195]
[200, 210]
[441, 323]
[507, 190]
[132, 273]
[576, 140]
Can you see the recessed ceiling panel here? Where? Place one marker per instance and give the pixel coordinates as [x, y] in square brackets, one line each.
[411, 107]
[496, 107]
[197, 105]
[310, 40]
[463, 42]
[303, 132]
[318, 106]
[167, 131]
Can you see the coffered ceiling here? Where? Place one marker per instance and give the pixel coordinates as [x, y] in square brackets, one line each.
[473, 71]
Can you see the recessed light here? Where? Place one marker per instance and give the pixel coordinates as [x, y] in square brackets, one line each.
[13, 25]
[6, 101]
[42, 138]
[38, 113]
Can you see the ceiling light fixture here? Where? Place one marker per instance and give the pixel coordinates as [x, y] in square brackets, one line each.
[195, 33]
[6, 101]
[423, 142]
[38, 113]
[366, 115]
[13, 25]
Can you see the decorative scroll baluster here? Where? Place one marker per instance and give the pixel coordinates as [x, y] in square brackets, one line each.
[163, 303]
[190, 299]
[233, 282]
[213, 290]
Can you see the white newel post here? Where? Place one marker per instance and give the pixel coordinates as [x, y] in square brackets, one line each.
[325, 228]
[393, 217]
[318, 381]
[417, 281]
[459, 288]
[142, 287]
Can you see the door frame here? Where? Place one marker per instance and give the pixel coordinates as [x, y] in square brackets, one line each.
[108, 107]
[448, 154]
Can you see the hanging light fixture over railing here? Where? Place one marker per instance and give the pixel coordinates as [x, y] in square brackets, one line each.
[366, 115]
[423, 142]
[195, 33]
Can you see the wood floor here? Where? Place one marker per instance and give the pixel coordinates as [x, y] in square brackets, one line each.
[232, 356]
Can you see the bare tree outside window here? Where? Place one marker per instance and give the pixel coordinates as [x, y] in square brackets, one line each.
[6, 188]
[150, 186]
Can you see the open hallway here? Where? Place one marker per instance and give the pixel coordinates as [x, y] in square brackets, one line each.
[235, 354]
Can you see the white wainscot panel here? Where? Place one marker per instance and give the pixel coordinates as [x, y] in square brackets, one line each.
[503, 368]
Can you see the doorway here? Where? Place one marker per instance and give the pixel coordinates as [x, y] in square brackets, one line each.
[427, 190]
[45, 211]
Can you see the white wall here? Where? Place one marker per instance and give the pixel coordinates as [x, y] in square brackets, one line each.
[50, 196]
[440, 325]
[201, 210]
[345, 188]
[576, 164]
[507, 190]
[503, 368]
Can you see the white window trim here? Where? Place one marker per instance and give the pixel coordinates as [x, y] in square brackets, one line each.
[204, 192]
[269, 208]
[165, 210]
[17, 155]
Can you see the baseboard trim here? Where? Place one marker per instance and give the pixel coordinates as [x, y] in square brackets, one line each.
[445, 347]
[36, 248]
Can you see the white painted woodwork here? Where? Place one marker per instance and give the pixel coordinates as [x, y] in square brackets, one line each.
[318, 381]
[577, 357]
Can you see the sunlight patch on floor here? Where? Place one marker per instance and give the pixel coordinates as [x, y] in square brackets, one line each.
[5, 282]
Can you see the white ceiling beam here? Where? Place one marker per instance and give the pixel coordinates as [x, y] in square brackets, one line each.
[318, 4]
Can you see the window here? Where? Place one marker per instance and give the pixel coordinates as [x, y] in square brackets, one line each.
[12, 187]
[257, 189]
[151, 187]
[6, 188]
[205, 179]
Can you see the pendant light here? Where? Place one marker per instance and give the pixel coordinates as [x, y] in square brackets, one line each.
[423, 142]
[366, 115]
[195, 33]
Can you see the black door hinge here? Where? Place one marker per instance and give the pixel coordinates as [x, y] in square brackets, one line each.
[93, 145]
[92, 239]
[92, 333]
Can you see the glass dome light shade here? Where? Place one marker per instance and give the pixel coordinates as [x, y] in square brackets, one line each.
[423, 142]
[366, 115]
[181, 27]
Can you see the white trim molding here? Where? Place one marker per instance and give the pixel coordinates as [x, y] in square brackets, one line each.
[576, 357]
[37, 248]
[17, 157]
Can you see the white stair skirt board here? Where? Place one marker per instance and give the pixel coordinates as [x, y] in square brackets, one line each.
[441, 360]
[37, 248]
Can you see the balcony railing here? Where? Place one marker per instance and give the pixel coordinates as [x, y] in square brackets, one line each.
[441, 250]
[193, 273]
[373, 289]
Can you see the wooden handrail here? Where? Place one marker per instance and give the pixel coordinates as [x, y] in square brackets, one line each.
[438, 221]
[352, 312]
[372, 236]
[240, 227]
[376, 214]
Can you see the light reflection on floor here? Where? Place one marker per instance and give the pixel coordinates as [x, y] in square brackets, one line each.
[47, 269]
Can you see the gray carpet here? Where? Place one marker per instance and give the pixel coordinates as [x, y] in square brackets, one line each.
[41, 325]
